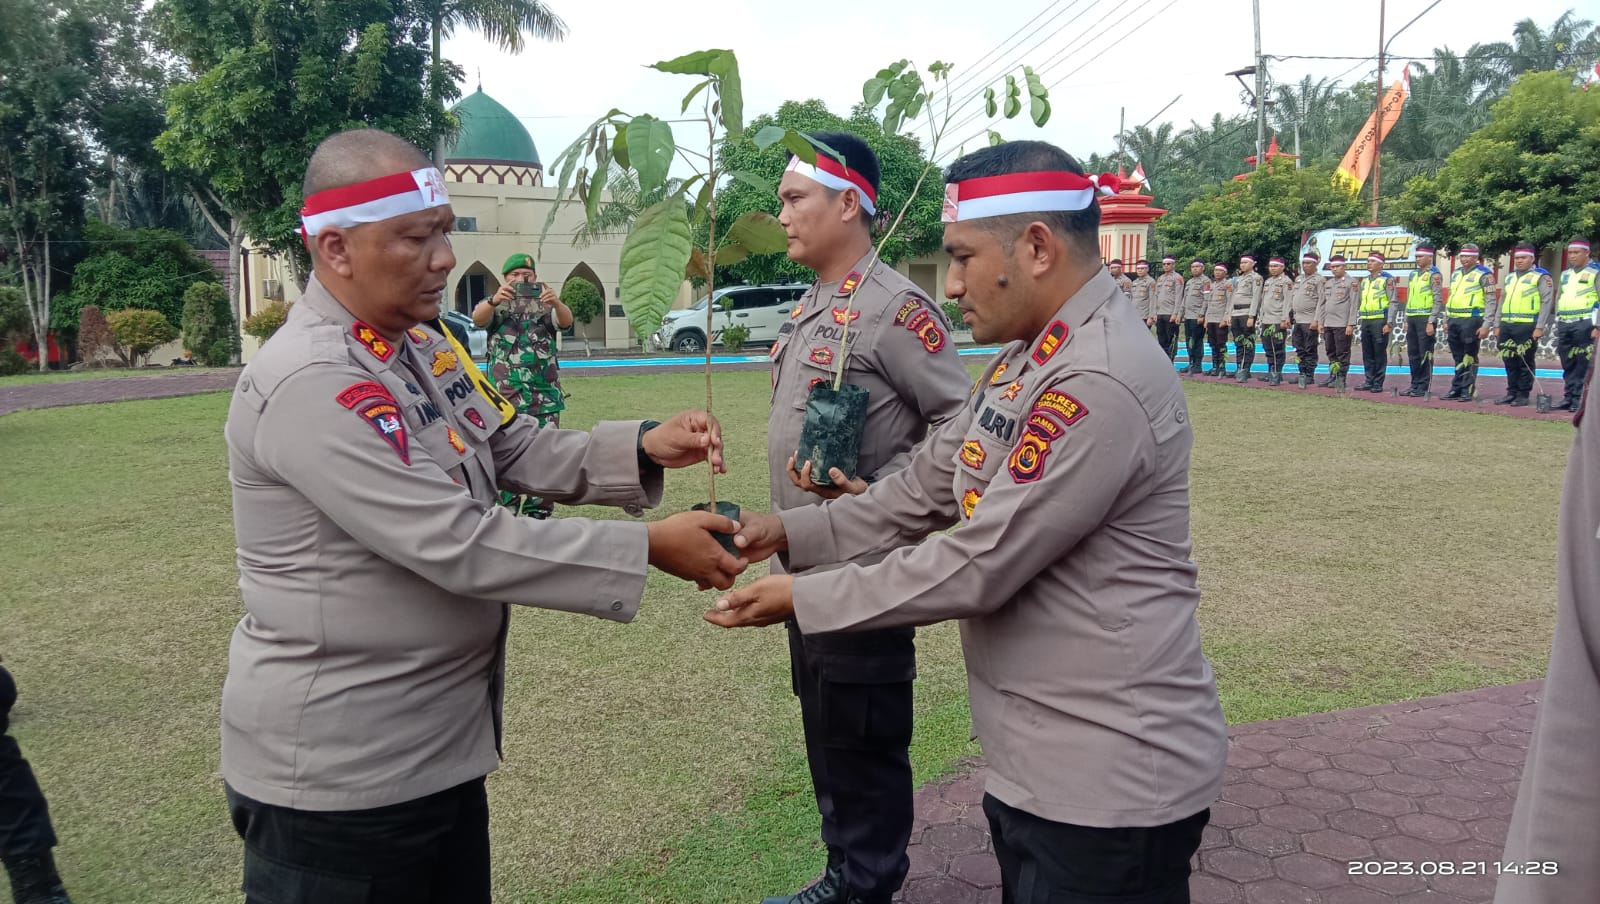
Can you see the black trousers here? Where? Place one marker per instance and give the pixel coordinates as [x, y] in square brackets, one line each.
[1462, 334]
[24, 815]
[1516, 350]
[1419, 350]
[1044, 862]
[1196, 339]
[1374, 351]
[432, 850]
[1305, 346]
[1167, 335]
[1575, 347]
[1217, 336]
[855, 707]
[1338, 345]
[1244, 342]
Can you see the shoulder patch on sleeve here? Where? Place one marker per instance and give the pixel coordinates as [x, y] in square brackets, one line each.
[384, 416]
[906, 310]
[1026, 463]
[356, 393]
[926, 327]
[1066, 408]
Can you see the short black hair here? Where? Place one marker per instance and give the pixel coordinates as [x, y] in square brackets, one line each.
[1080, 228]
[857, 156]
[356, 155]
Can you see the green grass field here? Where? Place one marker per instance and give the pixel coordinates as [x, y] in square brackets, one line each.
[1351, 553]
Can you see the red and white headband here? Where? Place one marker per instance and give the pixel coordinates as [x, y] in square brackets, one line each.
[832, 174]
[1014, 193]
[377, 199]
[1578, 246]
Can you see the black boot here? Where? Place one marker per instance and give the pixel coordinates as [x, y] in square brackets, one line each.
[1520, 400]
[34, 880]
[1332, 378]
[1506, 399]
[830, 889]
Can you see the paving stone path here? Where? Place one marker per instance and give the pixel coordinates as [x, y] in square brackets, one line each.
[1428, 781]
[180, 382]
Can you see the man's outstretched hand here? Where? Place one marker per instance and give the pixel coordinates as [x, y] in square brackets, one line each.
[842, 485]
[760, 535]
[683, 546]
[766, 602]
[687, 438]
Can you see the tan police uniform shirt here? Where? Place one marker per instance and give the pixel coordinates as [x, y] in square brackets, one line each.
[1219, 307]
[375, 565]
[1071, 571]
[1307, 298]
[1196, 297]
[900, 352]
[1275, 294]
[1125, 284]
[1557, 814]
[1246, 301]
[1169, 294]
[1341, 302]
[1144, 293]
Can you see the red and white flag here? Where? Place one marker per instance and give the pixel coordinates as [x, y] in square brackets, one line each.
[1591, 79]
[1141, 178]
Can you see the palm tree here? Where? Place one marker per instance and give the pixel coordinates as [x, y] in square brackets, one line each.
[1307, 105]
[1569, 43]
[1155, 150]
[501, 21]
[615, 215]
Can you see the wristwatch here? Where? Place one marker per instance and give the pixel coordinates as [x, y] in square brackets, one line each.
[645, 461]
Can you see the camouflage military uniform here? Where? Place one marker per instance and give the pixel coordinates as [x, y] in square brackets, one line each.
[522, 363]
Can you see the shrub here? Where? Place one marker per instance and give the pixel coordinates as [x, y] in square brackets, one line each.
[733, 337]
[953, 311]
[263, 323]
[221, 352]
[207, 321]
[94, 335]
[583, 298]
[14, 319]
[138, 332]
[12, 363]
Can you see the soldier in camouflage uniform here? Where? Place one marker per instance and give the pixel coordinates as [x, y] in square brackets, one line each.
[522, 355]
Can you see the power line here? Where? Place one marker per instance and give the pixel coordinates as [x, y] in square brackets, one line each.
[977, 66]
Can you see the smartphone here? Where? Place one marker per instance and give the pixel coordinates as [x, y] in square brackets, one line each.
[524, 290]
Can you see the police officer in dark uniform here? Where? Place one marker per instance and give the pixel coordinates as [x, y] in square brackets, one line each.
[26, 836]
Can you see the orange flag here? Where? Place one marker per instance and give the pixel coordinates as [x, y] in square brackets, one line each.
[1357, 162]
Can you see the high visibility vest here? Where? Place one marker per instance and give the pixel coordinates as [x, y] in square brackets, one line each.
[1466, 292]
[1419, 295]
[1375, 297]
[1579, 295]
[1521, 304]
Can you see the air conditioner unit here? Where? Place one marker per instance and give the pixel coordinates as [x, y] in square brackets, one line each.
[466, 224]
[272, 289]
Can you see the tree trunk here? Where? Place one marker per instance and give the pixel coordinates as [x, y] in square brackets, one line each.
[433, 83]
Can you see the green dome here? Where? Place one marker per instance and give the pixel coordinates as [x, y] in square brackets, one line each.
[489, 132]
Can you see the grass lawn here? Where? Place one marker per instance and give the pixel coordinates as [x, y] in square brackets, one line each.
[68, 376]
[1351, 553]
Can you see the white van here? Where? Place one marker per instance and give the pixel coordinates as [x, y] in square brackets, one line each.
[763, 309]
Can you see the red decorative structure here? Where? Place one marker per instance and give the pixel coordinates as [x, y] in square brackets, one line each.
[1272, 155]
[1125, 219]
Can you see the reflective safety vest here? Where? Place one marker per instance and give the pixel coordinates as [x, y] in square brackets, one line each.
[1419, 295]
[1466, 292]
[1579, 295]
[1521, 304]
[1375, 297]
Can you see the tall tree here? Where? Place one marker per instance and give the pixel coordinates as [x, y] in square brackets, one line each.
[271, 79]
[1156, 150]
[1528, 175]
[1262, 214]
[1569, 43]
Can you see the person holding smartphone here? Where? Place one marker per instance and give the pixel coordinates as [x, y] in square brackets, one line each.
[522, 318]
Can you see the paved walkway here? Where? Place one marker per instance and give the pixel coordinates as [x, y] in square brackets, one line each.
[1424, 781]
[161, 385]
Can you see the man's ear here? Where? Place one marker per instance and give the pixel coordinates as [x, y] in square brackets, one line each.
[850, 208]
[331, 249]
[1041, 248]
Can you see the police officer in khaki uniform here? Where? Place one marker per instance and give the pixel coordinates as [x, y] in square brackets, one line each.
[1243, 309]
[1470, 285]
[855, 689]
[1303, 314]
[1577, 299]
[1196, 298]
[1376, 310]
[1144, 293]
[1071, 569]
[1555, 826]
[1274, 317]
[1169, 307]
[361, 710]
[1123, 282]
[1522, 313]
[1336, 320]
[1424, 307]
[1216, 319]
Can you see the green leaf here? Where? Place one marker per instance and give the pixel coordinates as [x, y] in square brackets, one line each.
[699, 62]
[872, 91]
[768, 136]
[800, 146]
[702, 203]
[995, 139]
[730, 92]
[757, 182]
[651, 148]
[597, 185]
[1013, 107]
[689, 98]
[731, 253]
[989, 106]
[1038, 97]
[698, 268]
[653, 262]
[619, 148]
[760, 232]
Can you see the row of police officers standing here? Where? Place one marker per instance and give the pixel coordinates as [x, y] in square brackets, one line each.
[1338, 307]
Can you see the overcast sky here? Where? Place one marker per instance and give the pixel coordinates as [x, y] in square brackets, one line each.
[1153, 51]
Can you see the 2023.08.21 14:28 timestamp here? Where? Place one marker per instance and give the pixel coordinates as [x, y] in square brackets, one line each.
[1453, 868]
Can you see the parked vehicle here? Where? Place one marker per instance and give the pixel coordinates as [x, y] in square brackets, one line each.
[475, 338]
[763, 309]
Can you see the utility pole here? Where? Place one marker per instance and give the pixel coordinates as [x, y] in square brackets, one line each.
[1261, 91]
[1377, 119]
[1122, 129]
